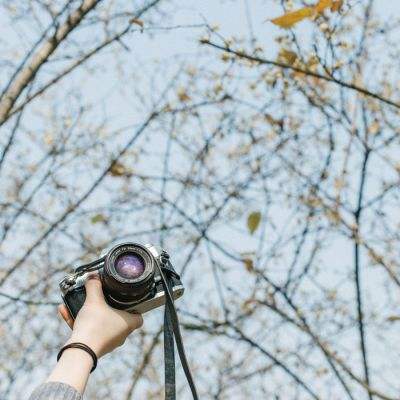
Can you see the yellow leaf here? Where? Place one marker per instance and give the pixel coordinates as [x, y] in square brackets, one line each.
[287, 56]
[289, 19]
[253, 220]
[322, 5]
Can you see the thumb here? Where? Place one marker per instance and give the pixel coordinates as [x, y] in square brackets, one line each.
[94, 291]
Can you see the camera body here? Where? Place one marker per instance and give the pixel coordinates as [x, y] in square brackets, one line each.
[130, 277]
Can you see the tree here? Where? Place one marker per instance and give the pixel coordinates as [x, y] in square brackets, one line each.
[267, 165]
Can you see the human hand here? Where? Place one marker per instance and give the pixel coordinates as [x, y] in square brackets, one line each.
[98, 325]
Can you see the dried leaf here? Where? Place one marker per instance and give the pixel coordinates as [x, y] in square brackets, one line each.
[393, 318]
[336, 5]
[182, 95]
[253, 221]
[137, 22]
[225, 57]
[312, 63]
[218, 88]
[249, 305]
[287, 56]
[248, 263]
[374, 128]
[98, 218]
[118, 169]
[49, 138]
[333, 216]
[273, 121]
[288, 20]
[339, 183]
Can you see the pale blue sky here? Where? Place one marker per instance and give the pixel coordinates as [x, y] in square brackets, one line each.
[232, 18]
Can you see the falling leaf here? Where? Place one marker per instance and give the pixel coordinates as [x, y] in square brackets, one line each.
[289, 19]
[118, 169]
[393, 318]
[98, 218]
[253, 221]
[137, 22]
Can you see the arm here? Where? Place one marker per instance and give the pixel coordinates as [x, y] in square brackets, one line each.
[97, 325]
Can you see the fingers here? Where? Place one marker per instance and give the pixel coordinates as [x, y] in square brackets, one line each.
[94, 292]
[64, 313]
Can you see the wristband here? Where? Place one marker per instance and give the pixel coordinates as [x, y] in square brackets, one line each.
[83, 347]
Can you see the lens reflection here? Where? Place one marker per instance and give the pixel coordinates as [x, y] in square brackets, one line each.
[129, 266]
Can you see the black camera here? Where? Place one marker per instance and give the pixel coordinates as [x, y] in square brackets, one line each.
[131, 276]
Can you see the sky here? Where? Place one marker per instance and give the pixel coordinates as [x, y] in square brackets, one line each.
[233, 19]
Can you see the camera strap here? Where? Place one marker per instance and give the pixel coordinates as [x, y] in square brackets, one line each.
[172, 332]
[169, 356]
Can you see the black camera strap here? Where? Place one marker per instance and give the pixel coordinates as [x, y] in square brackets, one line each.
[169, 356]
[171, 332]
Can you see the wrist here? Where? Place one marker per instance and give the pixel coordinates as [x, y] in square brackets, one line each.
[78, 338]
[77, 356]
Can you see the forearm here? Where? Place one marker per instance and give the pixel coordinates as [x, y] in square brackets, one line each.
[99, 327]
[73, 369]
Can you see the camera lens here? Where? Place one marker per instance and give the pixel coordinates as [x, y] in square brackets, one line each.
[128, 275]
[130, 266]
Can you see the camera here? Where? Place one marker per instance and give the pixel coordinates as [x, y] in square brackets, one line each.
[131, 277]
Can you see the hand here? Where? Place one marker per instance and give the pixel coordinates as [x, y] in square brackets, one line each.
[98, 325]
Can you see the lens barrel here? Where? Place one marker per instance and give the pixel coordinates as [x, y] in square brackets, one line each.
[128, 275]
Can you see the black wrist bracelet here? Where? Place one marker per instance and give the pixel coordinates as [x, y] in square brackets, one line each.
[83, 347]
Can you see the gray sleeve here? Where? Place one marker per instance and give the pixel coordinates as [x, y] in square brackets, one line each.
[55, 391]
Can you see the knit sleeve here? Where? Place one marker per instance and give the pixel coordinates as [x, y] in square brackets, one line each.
[55, 391]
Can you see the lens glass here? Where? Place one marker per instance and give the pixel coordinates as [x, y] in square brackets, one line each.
[129, 265]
